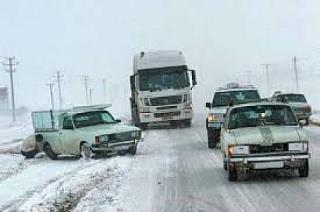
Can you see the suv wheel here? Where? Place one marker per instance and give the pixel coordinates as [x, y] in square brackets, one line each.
[49, 152]
[30, 154]
[211, 143]
[304, 169]
[307, 121]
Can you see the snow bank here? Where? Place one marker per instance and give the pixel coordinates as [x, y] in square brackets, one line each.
[315, 118]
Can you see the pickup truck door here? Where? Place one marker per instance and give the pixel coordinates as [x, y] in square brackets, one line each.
[68, 137]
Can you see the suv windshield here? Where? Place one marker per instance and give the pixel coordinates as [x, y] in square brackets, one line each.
[238, 97]
[164, 78]
[292, 98]
[261, 115]
[92, 118]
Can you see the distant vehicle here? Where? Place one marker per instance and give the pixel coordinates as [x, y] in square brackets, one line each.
[263, 136]
[232, 94]
[298, 102]
[84, 131]
[161, 89]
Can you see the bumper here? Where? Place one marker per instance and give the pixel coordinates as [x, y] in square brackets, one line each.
[166, 116]
[270, 162]
[113, 147]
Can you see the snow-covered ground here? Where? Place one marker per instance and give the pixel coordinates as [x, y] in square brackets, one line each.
[315, 118]
[172, 171]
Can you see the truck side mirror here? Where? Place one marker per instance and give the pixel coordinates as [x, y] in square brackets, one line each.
[193, 76]
[132, 82]
[208, 105]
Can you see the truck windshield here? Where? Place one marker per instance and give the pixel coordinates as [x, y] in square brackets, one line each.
[238, 97]
[292, 98]
[164, 78]
[261, 115]
[92, 118]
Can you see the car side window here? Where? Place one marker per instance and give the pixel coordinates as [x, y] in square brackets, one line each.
[67, 123]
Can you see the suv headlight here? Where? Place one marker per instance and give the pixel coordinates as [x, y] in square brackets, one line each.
[101, 139]
[238, 150]
[211, 117]
[298, 146]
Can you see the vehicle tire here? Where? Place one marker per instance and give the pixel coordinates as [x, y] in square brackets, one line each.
[30, 154]
[232, 173]
[225, 165]
[304, 169]
[187, 123]
[86, 151]
[133, 150]
[49, 152]
[307, 121]
[211, 143]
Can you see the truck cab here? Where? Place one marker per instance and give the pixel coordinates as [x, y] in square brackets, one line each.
[161, 91]
[223, 98]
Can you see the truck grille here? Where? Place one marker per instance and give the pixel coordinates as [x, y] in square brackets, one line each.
[166, 115]
[278, 147]
[119, 137]
[168, 100]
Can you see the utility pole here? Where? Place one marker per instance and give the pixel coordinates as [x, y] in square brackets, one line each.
[12, 64]
[104, 90]
[248, 73]
[90, 91]
[296, 73]
[59, 78]
[86, 78]
[51, 95]
[267, 65]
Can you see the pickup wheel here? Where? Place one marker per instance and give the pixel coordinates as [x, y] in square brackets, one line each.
[232, 173]
[30, 154]
[85, 150]
[304, 169]
[49, 152]
[133, 150]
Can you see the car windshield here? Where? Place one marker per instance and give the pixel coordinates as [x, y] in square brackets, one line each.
[163, 78]
[88, 119]
[292, 98]
[261, 115]
[238, 97]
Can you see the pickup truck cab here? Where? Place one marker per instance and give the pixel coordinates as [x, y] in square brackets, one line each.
[263, 136]
[84, 131]
[232, 94]
[302, 110]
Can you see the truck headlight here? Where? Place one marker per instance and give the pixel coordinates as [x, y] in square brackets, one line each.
[298, 146]
[238, 150]
[186, 97]
[101, 139]
[211, 117]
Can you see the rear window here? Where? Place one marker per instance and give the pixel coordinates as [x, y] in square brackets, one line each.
[292, 98]
[238, 97]
[45, 121]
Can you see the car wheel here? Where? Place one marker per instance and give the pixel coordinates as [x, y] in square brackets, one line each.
[30, 154]
[232, 173]
[304, 169]
[49, 152]
[133, 150]
[85, 151]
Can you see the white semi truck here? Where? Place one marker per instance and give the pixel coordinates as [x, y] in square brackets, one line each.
[161, 89]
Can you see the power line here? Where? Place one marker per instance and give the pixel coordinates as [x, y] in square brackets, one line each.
[12, 68]
[267, 65]
[51, 95]
[90, 92]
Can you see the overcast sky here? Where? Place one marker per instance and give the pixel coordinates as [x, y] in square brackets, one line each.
[221, 40]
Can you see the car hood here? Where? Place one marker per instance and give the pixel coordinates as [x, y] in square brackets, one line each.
[268, 134]
[107, 129]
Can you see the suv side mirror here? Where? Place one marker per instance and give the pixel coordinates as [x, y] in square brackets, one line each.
[194, 79]
[208, 105]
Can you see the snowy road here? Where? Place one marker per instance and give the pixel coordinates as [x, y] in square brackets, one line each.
[173, 171]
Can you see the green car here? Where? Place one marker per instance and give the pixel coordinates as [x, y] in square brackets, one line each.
[85, 131]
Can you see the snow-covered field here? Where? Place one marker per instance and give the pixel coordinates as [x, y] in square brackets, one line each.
[315, 118]
[172, 171]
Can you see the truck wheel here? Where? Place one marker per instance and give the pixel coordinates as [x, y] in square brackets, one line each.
[133, 150]
[30, 154]
[307, 121]
[232, 173]
[304, 169]
[85, 151]
[49, 152]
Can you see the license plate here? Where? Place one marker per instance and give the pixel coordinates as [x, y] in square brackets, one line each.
[167, 117]
[269, 165]
[214, 125]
